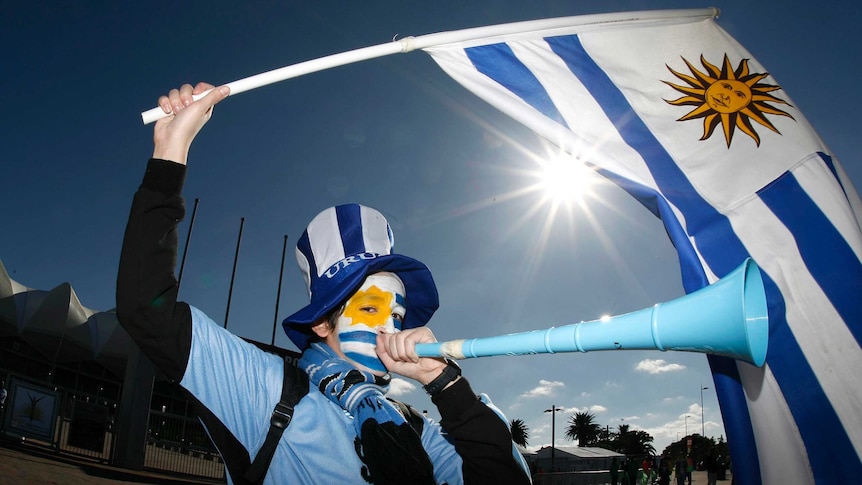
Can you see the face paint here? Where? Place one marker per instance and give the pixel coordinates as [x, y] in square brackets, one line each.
[378, 306]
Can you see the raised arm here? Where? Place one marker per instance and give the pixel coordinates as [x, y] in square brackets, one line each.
[147, 304]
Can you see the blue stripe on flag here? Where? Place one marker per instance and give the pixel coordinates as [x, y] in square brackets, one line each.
[514, 76]
[827, 255]
[351, 234]
[688, 260]
[829, 163]
[725, 377]
[713, 231]
[829, 464]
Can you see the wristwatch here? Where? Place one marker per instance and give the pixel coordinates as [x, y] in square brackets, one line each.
[451, 372]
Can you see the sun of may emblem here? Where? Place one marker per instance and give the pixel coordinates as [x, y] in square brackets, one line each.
[728, 97]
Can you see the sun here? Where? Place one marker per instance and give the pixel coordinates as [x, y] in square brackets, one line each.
[564, 180]
[728, 97]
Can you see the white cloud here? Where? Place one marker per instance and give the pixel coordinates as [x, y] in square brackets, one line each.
[657, 366]
[595, 408]
[545, 388]
[399, 387]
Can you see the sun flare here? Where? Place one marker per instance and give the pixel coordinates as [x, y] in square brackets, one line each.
[564, 180]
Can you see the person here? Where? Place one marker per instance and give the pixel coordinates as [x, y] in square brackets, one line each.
[368, 309]
[689, 468]
[647, 474]
[679, 470]
[664, 472]
[632, 470]
[646, 464]
[711, 464]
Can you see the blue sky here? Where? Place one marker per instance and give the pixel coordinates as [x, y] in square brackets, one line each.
[394, 133]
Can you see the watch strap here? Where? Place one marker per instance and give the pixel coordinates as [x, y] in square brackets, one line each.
[451, 372]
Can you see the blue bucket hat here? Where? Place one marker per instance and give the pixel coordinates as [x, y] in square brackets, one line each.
[340, 248]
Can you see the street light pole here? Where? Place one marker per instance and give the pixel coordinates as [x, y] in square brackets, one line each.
[553, 412]
[702, 432]
[686, 424]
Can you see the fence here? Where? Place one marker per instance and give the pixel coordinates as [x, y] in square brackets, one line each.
[179, 444]
[84, 426]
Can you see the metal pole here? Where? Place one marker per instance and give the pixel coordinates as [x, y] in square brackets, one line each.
[186, 249]
[553, 427]
[233, 273]
[553, 412]
[702, 432]
[278, 294]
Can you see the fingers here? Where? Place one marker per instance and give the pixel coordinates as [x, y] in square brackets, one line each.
[178, 99]
[201, 87]
[401, 346]
[397, 351]
[174, 134]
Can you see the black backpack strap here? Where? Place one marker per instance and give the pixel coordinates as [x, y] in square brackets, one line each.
[411, 415]
[294, 387]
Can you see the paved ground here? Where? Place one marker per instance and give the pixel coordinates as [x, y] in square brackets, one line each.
[29, 466]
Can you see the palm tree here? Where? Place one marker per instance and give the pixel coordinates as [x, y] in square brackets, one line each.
[583, 427]
[622, 438]
[520, 432]
[634, 442]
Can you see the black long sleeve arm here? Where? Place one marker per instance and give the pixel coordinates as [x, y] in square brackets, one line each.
[147, 289]
[481, 437]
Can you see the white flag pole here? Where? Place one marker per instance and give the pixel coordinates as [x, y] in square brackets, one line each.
[485, 35]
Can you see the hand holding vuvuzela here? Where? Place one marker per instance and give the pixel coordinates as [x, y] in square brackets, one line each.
[728, 318]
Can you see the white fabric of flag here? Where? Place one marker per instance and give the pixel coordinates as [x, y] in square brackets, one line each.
[680, 115]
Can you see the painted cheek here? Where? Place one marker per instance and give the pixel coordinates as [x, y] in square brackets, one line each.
[400, 307]
[392, 326]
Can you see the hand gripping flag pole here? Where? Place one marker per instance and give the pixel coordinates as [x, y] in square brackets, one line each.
[484, 35]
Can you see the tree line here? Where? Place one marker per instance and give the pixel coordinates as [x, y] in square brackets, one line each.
[582, 426]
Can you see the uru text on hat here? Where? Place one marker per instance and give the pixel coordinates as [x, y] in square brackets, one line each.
[344, 263]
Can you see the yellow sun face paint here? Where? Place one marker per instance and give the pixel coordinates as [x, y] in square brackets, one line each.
[371, 307]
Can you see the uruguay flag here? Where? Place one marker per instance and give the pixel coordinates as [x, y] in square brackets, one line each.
[674, 110]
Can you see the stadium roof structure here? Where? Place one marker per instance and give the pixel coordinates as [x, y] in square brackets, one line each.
[578, 452]
[59, 328]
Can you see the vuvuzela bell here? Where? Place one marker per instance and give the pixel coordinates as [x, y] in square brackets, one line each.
[727, 318]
